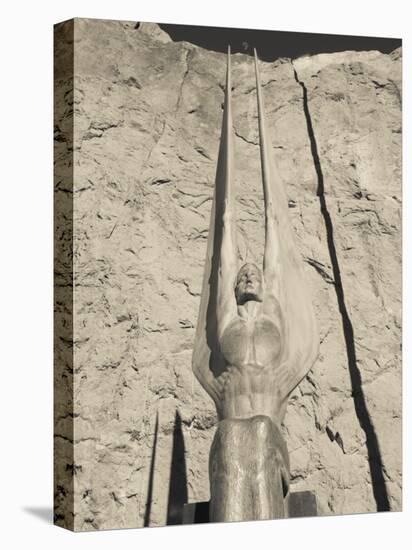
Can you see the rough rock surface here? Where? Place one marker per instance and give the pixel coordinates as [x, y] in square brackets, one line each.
[147, 115]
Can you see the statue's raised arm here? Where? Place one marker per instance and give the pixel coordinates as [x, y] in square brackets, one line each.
[218, 303]
[282, 266]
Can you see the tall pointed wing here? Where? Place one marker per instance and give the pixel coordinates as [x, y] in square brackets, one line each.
[302, 338]
[207, 362]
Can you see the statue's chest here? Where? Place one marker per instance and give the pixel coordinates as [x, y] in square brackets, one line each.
[253, 342]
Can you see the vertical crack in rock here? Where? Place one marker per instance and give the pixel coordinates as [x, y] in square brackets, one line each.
[150, 483]
[179, 98]
[362, 413]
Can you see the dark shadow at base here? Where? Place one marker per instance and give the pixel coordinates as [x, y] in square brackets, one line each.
[44, 513]
[178, 478]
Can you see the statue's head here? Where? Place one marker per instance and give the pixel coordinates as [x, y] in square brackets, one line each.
[249, 284]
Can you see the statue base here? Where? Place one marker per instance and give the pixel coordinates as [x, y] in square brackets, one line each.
[248, 471]
[302, 504]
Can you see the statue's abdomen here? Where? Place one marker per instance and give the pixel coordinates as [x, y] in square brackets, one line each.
[249, 384]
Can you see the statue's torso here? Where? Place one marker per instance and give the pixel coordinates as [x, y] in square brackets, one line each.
[251, 381]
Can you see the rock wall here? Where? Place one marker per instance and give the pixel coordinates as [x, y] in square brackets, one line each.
[147, 115]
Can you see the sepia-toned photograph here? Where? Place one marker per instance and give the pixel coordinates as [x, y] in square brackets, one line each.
[227, 274]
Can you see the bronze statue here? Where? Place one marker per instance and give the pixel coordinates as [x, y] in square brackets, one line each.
[256, 339]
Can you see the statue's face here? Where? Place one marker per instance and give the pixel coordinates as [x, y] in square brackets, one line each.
[249, 284]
